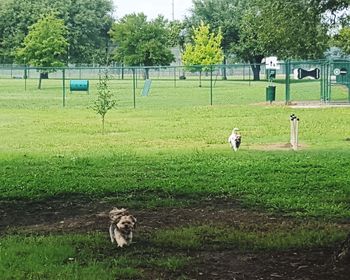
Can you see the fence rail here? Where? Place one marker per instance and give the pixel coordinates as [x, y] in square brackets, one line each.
[223, 83]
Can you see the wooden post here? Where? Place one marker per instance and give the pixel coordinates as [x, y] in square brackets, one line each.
[294, 131]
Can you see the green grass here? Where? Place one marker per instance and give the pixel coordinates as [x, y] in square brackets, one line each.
[180, 152]
[55, 257]
[74, 256]
[163, 94]
[216, 237]
[171, 150]
[91, 256]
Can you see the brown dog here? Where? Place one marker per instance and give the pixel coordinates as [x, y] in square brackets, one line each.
[122, 226]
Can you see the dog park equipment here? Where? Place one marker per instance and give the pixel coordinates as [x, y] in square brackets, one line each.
[294, 130]
[301, 73]
[329, 73]
[79, 85]
[341, 71]
[146, 87]
[271, 68]
[271, 89]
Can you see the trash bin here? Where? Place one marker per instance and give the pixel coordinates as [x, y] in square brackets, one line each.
[270, 93]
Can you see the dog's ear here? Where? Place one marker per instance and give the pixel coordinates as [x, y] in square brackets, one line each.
[115, 214]
[134, 220]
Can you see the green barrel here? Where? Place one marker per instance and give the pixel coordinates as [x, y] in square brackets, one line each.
[271, 93]
[79, 85]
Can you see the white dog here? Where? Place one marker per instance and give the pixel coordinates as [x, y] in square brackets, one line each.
[122, 226]
[235, 139]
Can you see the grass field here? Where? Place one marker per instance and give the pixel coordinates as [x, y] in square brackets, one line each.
[171, 151]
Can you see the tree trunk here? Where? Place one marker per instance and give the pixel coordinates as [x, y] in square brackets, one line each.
[123, 71]
[343, 253]
[224, 74]
[255, 64]
[200, 78]
[42, 76]
[146, 76]
[256, 71]
[103, 124]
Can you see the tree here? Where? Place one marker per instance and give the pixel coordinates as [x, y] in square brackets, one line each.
[287, 29]
[329, 5]
[105, 100]
[87, 21]
[205, 50]
[45, 45]
[249, 47]
[141, 42]
[342, 40]
[307, 34]
[224, 15]
[175, 36]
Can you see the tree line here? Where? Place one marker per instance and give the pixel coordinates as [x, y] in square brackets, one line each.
[53, 33]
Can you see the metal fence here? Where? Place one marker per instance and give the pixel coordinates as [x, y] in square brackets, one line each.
[186, 86]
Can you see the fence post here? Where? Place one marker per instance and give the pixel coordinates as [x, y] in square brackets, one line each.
[134, 86]
[25, 77]
[249, 69]
[287, 66]
[294, 131]
[211, 84]
[64, 86]
[322, 83]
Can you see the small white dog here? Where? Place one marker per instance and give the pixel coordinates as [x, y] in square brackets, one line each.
[235, 139]
[122, 226]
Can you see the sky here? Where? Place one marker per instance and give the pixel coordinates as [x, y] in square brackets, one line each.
[152, 8]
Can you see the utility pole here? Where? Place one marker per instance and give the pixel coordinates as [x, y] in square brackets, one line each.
[173, 9]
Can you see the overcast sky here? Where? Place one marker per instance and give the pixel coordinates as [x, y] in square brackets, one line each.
[152, 8]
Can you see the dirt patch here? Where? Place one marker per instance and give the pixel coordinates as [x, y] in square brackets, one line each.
[83, 215]
[277, 147]
[304, 104]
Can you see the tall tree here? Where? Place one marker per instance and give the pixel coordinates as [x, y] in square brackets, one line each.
[287, 29]
[206, 49]
[45, 45]
[329, 5]
[88, 23]
[225, 15]
[342, 40]
[141, 42]
[249, 48]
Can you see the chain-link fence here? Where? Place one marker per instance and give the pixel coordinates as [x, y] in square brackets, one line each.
[172, 86]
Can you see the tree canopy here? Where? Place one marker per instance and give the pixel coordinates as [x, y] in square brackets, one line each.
[342, 40]
[87, 21]
[286, 29]
[291, 29]
[225, 15]
[45, 45]
[205, 50]
[141, 42]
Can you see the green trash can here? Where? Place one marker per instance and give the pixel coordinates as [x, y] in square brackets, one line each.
[270, 93]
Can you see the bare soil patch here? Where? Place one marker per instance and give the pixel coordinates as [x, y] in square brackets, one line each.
[81, 215]
[277, 147]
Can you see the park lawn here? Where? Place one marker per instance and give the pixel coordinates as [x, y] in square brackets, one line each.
[180, 151]
[167, 152]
